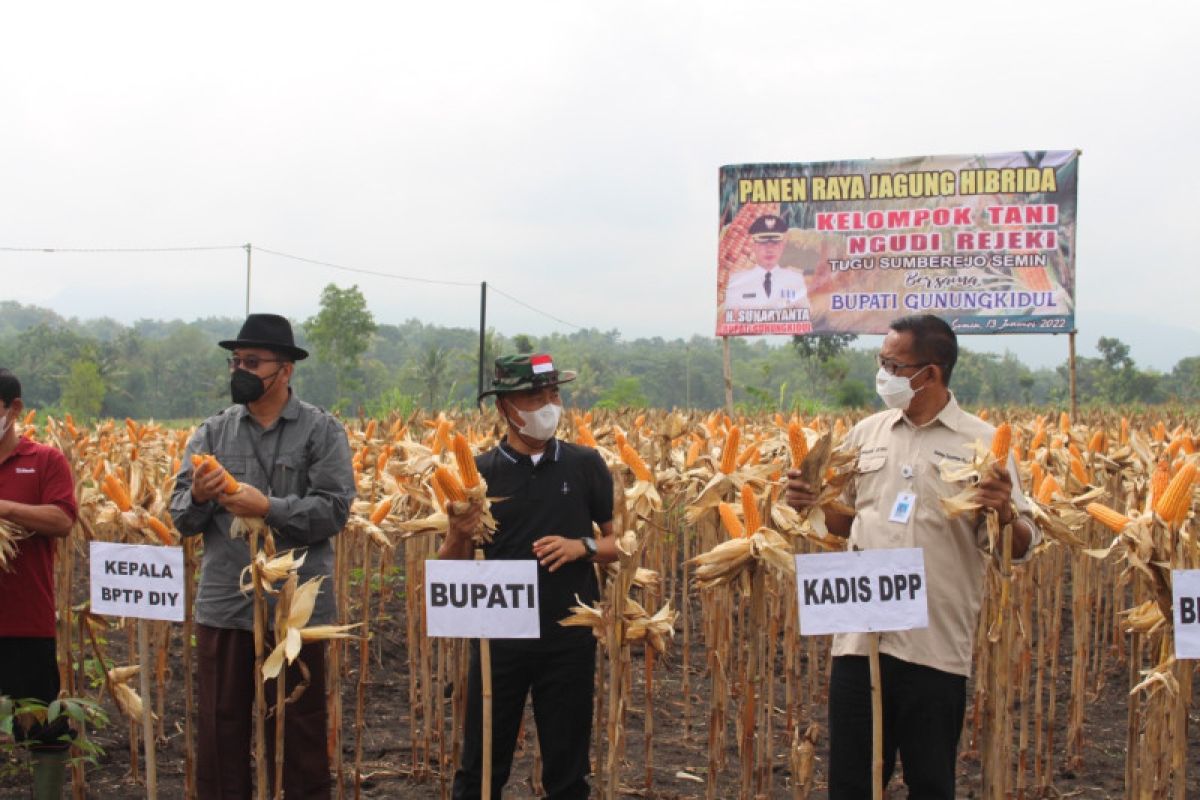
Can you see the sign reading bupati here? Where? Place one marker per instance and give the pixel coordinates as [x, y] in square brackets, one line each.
[137, 580]
[862, 591]
[1185, 588]
[987, 242]
[482, 599]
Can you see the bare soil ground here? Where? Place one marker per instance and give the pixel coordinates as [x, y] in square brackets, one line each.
[679, 764]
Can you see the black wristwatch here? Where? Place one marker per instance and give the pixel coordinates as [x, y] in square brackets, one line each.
[589, 544]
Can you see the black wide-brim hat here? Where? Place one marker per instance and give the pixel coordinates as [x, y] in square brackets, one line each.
[518, 373]
[270, 332]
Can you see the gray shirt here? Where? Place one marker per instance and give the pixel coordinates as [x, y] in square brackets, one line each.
[308, 481]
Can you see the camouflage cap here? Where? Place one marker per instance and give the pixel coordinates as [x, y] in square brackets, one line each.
[528, 371]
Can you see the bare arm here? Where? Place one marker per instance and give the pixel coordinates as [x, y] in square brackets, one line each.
[48, 520]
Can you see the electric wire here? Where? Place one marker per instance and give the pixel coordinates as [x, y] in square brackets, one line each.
[302, 259]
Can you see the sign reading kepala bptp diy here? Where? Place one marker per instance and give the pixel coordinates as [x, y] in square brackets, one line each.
[137, 580]
[862, 591]
[1185, 588]
[482, 599]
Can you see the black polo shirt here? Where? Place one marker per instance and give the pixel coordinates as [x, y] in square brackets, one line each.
[562, 495]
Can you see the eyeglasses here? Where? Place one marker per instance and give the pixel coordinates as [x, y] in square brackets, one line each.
[890, 366]
[250, 362]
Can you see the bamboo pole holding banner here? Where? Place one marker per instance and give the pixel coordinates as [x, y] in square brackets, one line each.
[1071, 374]
[727, 364]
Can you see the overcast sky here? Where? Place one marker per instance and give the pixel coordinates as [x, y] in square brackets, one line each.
[565, 152]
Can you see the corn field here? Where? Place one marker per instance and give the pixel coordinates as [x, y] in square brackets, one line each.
[700, 649]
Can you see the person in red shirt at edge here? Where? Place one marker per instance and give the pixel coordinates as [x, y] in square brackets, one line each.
[37, 496]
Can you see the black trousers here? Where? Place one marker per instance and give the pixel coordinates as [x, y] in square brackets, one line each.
[561, 680]
[29, 671]
[922, 719]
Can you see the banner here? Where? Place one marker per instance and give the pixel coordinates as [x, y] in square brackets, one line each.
[137, 580]
[862, 591]
[482, 599]
[987, 242]
[1185, 591]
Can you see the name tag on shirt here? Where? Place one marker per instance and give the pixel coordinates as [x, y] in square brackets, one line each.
[902, 508]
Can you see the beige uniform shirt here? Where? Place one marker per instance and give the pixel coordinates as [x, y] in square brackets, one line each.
[896, 456]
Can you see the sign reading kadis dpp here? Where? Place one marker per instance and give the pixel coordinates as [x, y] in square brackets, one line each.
[987, 242]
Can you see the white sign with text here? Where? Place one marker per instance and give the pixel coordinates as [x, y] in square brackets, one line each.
[1185, 588]
[482, 599]
[862, 591]
[137, 580]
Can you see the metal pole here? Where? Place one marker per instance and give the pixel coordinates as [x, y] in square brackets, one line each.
[248, 248]
[482, 331]
[1071, 373]
[728, 365]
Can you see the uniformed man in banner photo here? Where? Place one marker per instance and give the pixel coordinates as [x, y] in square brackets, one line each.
[768, 284]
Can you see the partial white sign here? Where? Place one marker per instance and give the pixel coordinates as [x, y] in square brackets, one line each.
[482, 599]
[137, 580]
[862, 591]
[1185, 589]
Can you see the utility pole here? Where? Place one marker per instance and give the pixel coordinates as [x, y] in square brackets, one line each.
[482, 331]
[248, 248]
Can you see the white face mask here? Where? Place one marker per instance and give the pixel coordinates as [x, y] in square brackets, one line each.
[540, 424]
[894, 390]
[5, 423]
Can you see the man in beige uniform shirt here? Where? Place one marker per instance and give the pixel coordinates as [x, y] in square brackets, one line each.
[923, 672]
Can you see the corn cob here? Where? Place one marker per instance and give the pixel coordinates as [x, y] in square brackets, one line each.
[729, 452]
[636, 464]
[208, 462]
[1037, 474]
[692, 454]
[451, 487]
[160, 530]
[729, 519]
[798, 443]
[750, 455]
[466, 462]
[380, 511]
[114, 489]
[1175, 501]
[1079, 470]
[750, 510]
[1001, 441]
[1048, 489]
[1064, 423]
[1114, 520]
[1159, 480]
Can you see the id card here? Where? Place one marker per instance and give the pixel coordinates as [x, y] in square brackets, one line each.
[903, 507]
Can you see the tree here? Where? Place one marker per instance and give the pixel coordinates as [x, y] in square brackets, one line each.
[341, 332]
[433, 368]
[83, 391]
[523, 343]
[822, 346]
[625, 392]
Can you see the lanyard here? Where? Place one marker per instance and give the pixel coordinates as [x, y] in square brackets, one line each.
[269, 471]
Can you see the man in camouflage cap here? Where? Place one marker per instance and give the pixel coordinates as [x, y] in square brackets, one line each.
[552, 493]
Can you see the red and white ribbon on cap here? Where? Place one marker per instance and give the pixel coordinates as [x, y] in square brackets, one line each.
[541, 363]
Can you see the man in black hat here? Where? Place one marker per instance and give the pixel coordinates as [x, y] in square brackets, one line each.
[292, 461]
[553, 493]
[767, 285]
